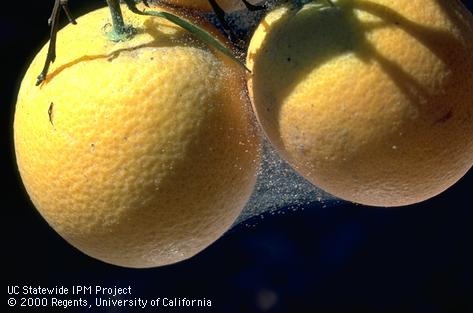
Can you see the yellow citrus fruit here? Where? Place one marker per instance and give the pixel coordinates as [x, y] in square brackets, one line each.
[140, 153]
[370, 100]
[204, 5]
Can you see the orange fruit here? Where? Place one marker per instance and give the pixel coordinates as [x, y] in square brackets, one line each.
[139, 153]
[370, 100]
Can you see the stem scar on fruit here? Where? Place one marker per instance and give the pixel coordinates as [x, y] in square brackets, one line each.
[122, 32]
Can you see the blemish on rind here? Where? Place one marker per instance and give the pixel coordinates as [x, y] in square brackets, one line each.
[445, 117]
[51, 113]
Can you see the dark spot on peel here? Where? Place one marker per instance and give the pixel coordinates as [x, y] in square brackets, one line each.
[444, 118]
[51, 113]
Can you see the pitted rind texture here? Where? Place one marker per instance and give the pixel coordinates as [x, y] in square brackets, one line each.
[140, 153]
[371, 101]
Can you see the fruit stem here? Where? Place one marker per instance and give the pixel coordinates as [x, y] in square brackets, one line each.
[120, 31]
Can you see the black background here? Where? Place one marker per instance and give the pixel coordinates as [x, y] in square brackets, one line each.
[338, 258]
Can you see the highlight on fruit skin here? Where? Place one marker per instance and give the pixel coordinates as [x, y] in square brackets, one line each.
[140, 153]
[370, 100]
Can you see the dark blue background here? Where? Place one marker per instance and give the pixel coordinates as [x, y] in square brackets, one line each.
[338, 258]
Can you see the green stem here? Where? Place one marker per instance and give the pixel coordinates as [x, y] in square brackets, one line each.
[120, 31]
